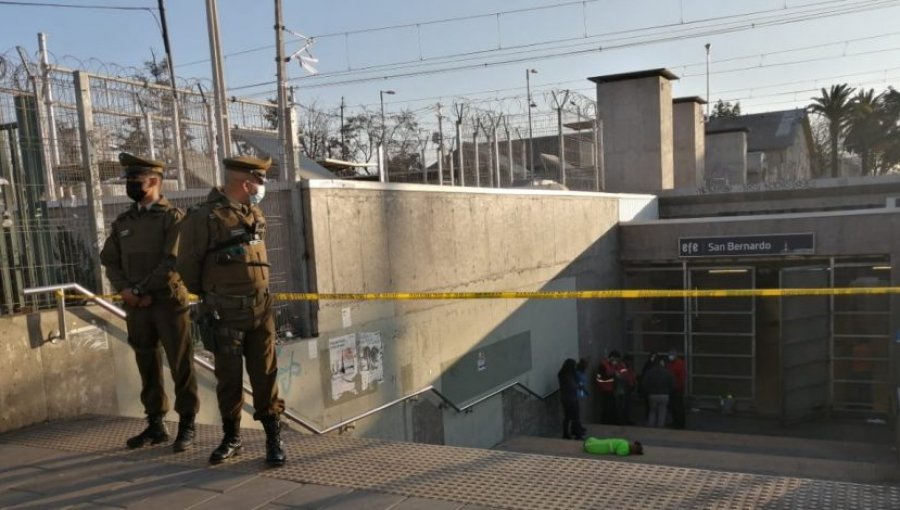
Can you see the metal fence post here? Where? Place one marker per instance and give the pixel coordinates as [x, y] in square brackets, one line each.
[92, 176]
[151, 143]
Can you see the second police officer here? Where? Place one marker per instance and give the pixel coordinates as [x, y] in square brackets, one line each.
[222, 259]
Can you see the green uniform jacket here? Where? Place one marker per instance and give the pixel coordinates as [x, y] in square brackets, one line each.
[141, 250]
[223, 248]
[609, 446]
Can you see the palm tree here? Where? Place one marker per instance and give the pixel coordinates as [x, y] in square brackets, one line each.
[890, 157]
[835, 105]
[866, 129]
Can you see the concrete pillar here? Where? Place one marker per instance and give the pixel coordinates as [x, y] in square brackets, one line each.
[689, 141]
[726, 157]
[636, 109]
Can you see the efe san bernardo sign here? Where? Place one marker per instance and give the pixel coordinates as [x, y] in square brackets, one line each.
[747, 246]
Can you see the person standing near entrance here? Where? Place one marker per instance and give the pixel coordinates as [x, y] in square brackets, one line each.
[658, 384]
[606, 380]
[223, 260]
[139, 258]
[568, 395]
[676, 398]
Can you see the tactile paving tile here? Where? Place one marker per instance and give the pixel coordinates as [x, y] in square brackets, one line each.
[467, 475]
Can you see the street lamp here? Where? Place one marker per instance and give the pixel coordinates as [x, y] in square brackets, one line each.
[382, 171]
[707, 80]
[528, 73]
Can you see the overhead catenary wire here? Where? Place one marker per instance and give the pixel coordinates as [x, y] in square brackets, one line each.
[78, 6]
[521, 10]
[568, 51]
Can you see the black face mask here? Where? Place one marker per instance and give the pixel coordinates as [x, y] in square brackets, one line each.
[135, 190]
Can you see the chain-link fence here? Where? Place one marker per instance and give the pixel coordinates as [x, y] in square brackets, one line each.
[61, 131]
[490, 148]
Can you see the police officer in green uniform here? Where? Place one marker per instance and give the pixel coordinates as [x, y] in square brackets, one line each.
[139, 257]
[223, 259]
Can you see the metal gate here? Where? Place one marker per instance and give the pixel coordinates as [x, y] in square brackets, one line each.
[805, 346]
[722, 336]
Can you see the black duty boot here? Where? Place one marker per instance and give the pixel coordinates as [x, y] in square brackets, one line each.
[155, 433]
[231, 444]
[185, 437]
[274, 446]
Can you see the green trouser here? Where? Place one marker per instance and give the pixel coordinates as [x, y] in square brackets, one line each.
[242, 335]
[165, 323]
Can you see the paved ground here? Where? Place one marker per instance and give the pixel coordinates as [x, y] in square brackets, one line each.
[81, 464]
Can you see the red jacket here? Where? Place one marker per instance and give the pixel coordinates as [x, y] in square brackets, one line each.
[676, 368]
[605, 377]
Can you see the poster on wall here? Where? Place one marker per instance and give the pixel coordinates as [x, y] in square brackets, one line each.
[343, 365]
[371, 357]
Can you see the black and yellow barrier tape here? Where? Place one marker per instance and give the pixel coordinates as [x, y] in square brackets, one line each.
[574, 294]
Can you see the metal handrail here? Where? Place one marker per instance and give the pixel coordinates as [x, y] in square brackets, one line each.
[59, 290]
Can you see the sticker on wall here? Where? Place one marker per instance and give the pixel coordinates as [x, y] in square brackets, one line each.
[482, 361]
[346, 319]
[313, 349]
[371, 358]
[343, 365]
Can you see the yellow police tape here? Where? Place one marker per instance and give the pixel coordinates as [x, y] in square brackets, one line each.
[574, 294]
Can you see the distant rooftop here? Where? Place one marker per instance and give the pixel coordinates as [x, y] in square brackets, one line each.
[767, 131]
[636, 75]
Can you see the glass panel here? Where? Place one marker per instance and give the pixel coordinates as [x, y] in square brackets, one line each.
[715, 386]
[861, 304]
[722, 279]
[722, 344]
[861, 370]
[862, 397]
[722, 366]
[648, 342]
[657, 322]
[729, 323]
[662, 279]
[862, 276]
[862, 324]
[861, 347]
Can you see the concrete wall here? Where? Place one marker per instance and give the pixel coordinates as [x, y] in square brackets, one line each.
[91, 372]
[793, 163]
[637, 134]
[726, 157]
[371, 237]
[690, 144]
[818, 195]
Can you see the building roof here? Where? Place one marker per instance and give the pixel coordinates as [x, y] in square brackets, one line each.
[689, 99]
[767, 131]
[724, 130]
[665, 73]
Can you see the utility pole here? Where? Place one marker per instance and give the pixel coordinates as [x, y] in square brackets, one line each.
[460, 114]
[559, 127]
[440, 147]
[528, 73]
[220, 110]
[343, 143]
[47, 94]
[176, 113]
[285, 117]
[707, 81]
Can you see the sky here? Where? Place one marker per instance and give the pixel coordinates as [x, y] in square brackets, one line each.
[767, 54]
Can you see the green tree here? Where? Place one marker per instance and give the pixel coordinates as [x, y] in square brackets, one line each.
[890, 158]
[726, 110]
[865, 129]
[835, 105]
